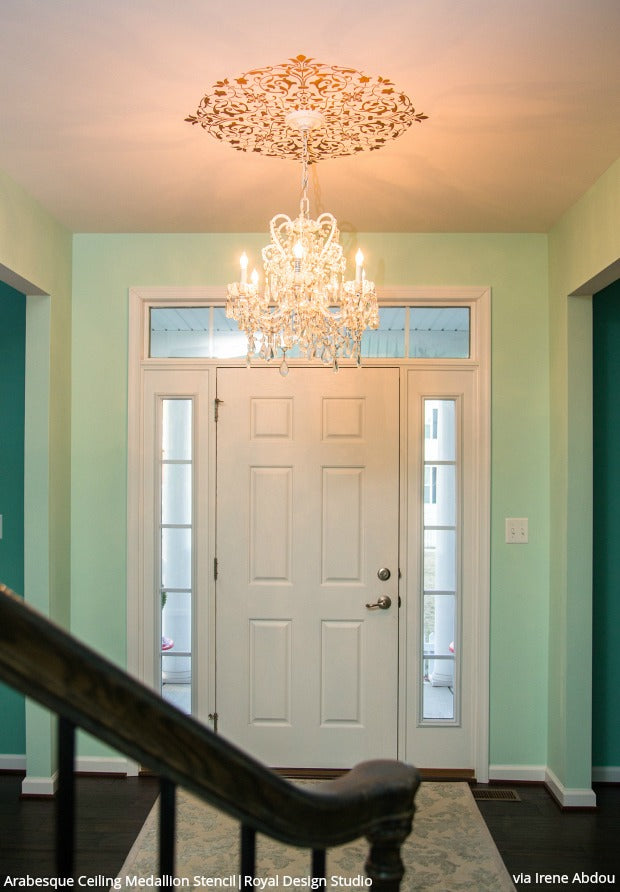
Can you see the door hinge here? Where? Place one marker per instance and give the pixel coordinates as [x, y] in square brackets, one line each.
[399, 601]
[216, 412]
[214, 717]
[215, 568]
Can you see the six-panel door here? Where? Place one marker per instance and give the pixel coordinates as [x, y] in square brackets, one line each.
[308, 499]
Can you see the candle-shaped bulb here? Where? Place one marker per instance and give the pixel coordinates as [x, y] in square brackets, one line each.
[243, 261]
[359, 261]
[254, 278]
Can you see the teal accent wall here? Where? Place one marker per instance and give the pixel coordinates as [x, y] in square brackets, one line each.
[606, 555]
[12, 396]
[584, 245]
[12, 400]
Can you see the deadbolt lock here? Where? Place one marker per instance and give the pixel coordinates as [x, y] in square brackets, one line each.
[383, 574]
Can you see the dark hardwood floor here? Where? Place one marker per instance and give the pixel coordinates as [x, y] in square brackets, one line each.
[533, 835]
[109, 814]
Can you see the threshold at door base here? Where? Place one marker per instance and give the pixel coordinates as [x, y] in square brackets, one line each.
[447, 774]
[310, 773]
[427, 774]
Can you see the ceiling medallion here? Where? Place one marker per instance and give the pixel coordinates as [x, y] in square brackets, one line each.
[307, 111]
[360, 112]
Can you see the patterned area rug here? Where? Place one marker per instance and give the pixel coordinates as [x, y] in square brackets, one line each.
[450, 849]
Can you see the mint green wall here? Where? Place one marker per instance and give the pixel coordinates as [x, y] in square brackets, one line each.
[36, 250]
[606, 556]
[12, 397]
[515, 266]
[541, 400]
[582, 245]
[541, 436]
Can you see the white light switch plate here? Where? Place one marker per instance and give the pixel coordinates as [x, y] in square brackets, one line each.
[516, 530]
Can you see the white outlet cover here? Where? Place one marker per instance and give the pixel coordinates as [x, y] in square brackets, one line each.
[517, 532]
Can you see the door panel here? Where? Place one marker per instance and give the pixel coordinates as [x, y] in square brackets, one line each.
[308, 496]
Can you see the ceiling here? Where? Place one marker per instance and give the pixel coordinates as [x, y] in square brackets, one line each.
[522, 98]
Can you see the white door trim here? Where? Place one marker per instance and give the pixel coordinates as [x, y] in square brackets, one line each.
[479, 301]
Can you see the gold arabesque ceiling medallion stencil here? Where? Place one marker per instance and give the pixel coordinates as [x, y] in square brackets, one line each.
[360, 113]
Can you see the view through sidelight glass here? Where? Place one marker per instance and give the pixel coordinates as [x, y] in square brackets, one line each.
[176, 550]
[440, 598]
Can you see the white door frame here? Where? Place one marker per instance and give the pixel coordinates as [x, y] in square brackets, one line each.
[139, 601]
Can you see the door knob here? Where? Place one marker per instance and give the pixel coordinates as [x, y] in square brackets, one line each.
[383, 602]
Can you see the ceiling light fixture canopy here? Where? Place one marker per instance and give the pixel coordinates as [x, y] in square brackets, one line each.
[307, 111]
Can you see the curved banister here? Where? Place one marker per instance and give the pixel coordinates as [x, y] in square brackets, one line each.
[38, 658]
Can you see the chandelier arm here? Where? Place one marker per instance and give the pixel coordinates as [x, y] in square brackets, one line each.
[333, 231]
[275, 226]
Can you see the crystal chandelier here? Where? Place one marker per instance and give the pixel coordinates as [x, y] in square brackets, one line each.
[305, 300]
[306, 110]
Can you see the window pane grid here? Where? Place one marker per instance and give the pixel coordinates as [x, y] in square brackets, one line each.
[176, 550]
[439, 698]
[404, 332]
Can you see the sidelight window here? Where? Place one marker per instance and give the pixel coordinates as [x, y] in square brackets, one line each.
[176, 550]
[439, 647]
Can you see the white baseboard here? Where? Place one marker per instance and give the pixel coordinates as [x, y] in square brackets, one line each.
[606, 774]
[40, 786]
[46, 786]
[522, 773]
[14, 762]
[567, 797]
[570, 797]
[110, 765]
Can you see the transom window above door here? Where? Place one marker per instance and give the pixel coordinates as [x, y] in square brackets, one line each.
[404, 332]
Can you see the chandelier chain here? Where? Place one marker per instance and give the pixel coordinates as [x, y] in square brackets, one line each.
[304, 205]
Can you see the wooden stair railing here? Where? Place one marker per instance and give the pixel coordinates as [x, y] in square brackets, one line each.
[375, 799]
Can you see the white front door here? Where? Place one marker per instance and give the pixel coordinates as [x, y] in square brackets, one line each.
[307, 515]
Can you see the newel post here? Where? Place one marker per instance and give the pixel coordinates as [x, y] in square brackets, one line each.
[384, 865]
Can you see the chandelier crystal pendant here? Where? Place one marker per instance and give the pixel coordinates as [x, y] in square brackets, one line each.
[305, 301]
